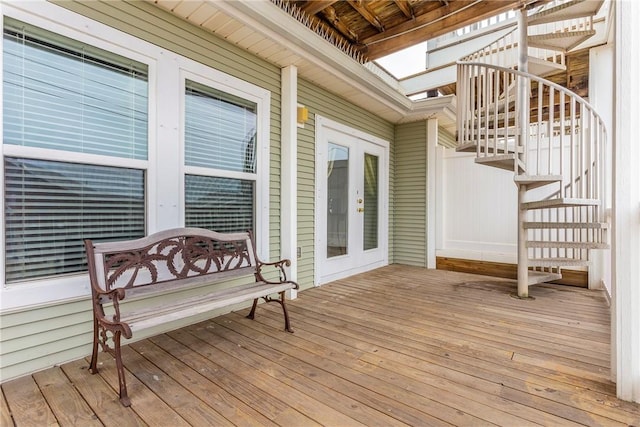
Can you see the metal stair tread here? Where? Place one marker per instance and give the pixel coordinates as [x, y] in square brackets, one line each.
[542, 67]
[565, 11]
[562, 41]
[565, 225]
[566, 245]
[535, 277]
[471, 147]
[501, 161]
[535, 181]
[557, 262]
[560, 203]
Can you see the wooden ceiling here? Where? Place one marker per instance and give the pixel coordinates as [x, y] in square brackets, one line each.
[376, 28]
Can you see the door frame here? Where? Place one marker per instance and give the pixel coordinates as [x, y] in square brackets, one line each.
[322, 128]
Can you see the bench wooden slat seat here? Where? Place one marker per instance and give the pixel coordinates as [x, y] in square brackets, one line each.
[151, 271]
[153, 316]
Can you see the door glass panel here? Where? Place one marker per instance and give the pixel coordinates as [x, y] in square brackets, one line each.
[337, 200]
[370, 232]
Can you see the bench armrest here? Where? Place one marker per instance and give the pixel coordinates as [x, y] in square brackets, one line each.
[280, 268]
[110, 322]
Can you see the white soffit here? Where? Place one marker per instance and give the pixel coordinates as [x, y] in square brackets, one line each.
[262, 28]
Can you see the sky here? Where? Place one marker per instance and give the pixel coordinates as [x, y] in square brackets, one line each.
[405, 62]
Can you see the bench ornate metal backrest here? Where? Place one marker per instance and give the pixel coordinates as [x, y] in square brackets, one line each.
[176, 255]
[161, 262]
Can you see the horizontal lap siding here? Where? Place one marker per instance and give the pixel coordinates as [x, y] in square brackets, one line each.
[36, 338]
[410, 194]
[331, 106]
[446, 139]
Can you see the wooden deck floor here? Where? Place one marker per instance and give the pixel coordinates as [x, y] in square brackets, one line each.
[396, 346]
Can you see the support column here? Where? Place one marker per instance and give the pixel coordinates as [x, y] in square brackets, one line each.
[523, 256]
[289, 171]
[523, 128]
[432, 143]
[626, 205]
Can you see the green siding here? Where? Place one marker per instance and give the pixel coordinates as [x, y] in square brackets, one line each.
[410, 194]
[446, 139]
[329, 105]
[36, 338]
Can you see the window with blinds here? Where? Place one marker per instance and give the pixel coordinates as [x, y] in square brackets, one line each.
[65, 96]
[220, 135]
[220, 204]
[50, 207]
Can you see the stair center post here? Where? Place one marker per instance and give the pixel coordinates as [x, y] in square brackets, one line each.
[523, 279]
[522, 104]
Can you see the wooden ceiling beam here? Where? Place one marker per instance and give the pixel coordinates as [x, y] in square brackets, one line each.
[405, 8]
[442, 20]
[314, 6]
[367, 14]
[330, 15]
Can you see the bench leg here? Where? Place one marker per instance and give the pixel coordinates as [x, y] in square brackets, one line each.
[124, 397]
[281, 301]
[252, 313]
[93, 366]
[287, 324]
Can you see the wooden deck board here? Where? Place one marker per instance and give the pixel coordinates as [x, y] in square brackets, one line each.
[407, 367]
[27, 405]
[437, 323]
[5, 416]
[99, 396]
[201, 388]
[277, 365]
[64, 400]
[372, 392]
[395, 346]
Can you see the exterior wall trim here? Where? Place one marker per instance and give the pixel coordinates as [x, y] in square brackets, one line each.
[289, 171]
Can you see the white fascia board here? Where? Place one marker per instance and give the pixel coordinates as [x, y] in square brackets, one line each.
[442, 107]
[429, 79]
[280, 27]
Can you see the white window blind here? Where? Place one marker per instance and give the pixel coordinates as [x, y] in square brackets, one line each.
[220, 129]
[59, 94]
[50, 207]
[220, 135]
[219, 204]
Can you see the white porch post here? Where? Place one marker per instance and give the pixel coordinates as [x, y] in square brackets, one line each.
[289, 171]
[523, 124]
[626, 204]
[432, 143]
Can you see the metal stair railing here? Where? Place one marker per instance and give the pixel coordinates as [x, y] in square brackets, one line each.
[502, 52]
[575, 24]
[566, 137]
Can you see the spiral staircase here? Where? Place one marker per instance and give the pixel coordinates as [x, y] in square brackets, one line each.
[552, 139]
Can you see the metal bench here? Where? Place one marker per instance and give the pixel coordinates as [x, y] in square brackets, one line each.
[167, 262]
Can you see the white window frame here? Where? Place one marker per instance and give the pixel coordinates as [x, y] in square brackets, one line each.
[164, 192]
[199, 73]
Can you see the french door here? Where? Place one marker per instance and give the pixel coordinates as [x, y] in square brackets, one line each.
[351, 205]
